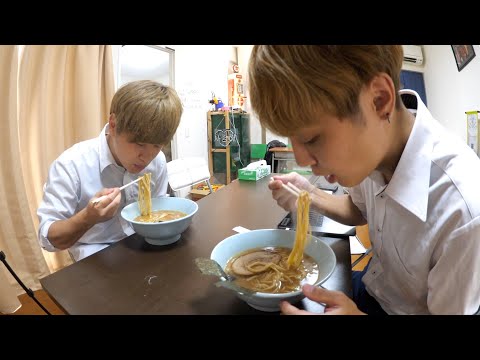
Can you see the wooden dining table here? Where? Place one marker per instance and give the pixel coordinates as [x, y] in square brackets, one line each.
[134, 277]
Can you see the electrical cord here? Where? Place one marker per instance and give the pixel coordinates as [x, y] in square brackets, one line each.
[30, 293]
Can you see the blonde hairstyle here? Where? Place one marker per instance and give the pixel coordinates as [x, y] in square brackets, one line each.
[147, 110]
[289, 84]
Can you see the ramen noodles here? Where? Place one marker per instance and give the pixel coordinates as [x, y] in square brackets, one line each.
[267, 270]
[161, 215]
[278, 269]
[144, 195]
[303, 230]
[145, 205]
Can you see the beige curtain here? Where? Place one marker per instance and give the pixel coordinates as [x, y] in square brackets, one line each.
[64, 93]
[63, 96]
[18, 235]
[9, 302]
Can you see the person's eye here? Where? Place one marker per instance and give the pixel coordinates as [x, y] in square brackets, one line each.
[140, 144]
[311, 141]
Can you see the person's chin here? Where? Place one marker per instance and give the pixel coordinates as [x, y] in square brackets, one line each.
[331, 178]
[348, 183]
[135, 169]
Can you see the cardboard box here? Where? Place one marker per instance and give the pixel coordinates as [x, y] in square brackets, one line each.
[200, 191]
[254, 171]
[196, 194]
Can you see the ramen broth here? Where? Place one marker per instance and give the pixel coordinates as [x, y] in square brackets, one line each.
[266, 270]
[160, 216]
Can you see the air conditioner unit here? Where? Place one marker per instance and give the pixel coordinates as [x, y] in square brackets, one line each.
[412, 54]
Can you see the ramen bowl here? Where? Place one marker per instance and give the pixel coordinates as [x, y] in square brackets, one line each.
[164, 232]
[230, 247]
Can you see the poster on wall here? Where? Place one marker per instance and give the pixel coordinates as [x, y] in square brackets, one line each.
[463, 55]
[472, 130]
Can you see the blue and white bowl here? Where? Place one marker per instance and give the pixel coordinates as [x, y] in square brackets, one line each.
[321, 252]
[166, 232]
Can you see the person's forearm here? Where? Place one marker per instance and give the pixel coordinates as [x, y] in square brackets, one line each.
[339, 208]
[64, 233]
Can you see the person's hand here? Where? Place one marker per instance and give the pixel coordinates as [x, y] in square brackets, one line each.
[284, 198]
[336, 302]
[106, 208]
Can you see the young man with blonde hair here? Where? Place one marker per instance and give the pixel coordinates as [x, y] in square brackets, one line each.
[144, 116]
[414, 184]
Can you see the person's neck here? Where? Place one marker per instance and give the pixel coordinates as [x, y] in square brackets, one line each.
[112, 148]
[400, 129]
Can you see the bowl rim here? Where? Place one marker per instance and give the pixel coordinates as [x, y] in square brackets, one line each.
[265, 295]
[163, 222]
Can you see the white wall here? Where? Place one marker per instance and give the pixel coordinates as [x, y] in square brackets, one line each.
[199, 71]
[449, 92]
[243, 54]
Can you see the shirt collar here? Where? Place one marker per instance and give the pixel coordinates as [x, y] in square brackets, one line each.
[410, 183]
[106, 157]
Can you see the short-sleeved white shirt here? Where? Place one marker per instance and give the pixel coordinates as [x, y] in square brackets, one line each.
[425, 225]
[76, 176]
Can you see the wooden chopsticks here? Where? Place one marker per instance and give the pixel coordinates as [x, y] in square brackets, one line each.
[290, 188]
[97, 200]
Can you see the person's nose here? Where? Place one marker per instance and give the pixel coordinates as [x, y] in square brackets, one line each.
[148, 153]
[303, 157]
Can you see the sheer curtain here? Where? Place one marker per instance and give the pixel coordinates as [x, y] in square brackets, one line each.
[18, 237]
[63, 97]
[65, 93]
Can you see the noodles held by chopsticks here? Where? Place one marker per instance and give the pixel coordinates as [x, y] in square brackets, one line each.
[144, 195]
[303, 230]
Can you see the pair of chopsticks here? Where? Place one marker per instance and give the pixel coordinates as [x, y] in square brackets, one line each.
[97, 200]
[290, 188]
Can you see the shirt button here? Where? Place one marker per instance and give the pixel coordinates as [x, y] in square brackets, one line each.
[379, 229]
[381, 196]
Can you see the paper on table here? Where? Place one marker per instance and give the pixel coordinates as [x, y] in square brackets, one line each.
[240, 229]
[356, 246]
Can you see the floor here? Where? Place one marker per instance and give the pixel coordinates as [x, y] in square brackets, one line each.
[30, 307]
[362, 234]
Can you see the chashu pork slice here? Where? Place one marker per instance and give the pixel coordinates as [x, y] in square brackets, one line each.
[239, 266]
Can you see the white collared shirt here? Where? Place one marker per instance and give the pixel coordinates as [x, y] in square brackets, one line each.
[425, 225]
[76, 176]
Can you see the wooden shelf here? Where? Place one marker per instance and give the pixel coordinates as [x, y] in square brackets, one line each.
[211, 150]
[233, 142]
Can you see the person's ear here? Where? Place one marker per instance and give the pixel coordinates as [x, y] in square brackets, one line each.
[112, 123]
[383, 91]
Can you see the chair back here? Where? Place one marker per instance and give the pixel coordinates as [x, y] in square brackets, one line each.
[258, 151]
[187, 171]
